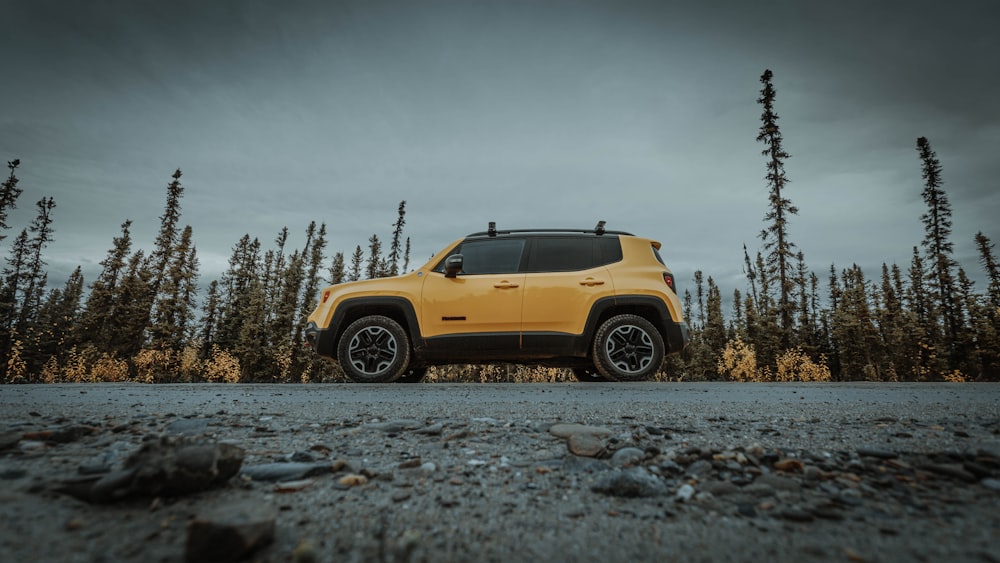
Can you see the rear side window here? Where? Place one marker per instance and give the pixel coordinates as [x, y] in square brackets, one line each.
[554, 254]
[490, 256]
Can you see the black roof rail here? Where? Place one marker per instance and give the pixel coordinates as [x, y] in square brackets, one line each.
[598, 230]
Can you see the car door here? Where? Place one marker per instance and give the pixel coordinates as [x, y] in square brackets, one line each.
[565, 277]
[481, 306]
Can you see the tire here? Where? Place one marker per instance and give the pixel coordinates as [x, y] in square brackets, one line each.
[415, 375]
[628, 348]
[588, 375]
[374, 349]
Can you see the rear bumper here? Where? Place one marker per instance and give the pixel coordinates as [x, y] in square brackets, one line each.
[678, 337]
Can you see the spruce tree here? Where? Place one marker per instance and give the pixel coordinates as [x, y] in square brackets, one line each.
[9, 192]
[243, 272]
[55, 326]
[174, 309]
[991, 267]
[406, 256]
[927, 332]
[356, 260]
[938, 247]
[210, 319]
[714, 333]
[775, 235]
[395, 246]
[32, 284]
[104, 299]
[373, 268]
[338, 274]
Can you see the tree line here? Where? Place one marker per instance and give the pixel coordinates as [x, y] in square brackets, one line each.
[922, 321]
[142, 318]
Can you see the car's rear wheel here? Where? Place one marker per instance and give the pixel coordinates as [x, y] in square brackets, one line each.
[374, 349]
[628, 348]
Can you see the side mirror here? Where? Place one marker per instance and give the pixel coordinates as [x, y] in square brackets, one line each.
[453, 265]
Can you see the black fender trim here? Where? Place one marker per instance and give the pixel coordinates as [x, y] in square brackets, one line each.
[398, 308]
[676, 335]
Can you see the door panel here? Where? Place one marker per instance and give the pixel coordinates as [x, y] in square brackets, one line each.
[485, 303]
[561, 301]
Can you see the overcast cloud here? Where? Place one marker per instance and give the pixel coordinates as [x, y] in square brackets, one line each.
[530, 114]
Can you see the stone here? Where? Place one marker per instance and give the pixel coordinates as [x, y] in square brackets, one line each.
[699, 468]
[627, 456]
[230, 532]
[189, 426]
[165, 466]
[564, 430]
[588, 445]
[684, 493]
[285, 471]
[395, 426]
[631, 482]
[9, 438]
[991, 484]
[876, 453]
[953, 470]
[719, 488]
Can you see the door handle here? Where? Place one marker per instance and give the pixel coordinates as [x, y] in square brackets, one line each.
[591, 282]
[505, 285]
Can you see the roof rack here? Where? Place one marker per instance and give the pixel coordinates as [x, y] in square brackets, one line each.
[598, 230]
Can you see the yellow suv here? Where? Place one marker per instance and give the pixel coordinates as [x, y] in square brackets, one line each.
[600, 302]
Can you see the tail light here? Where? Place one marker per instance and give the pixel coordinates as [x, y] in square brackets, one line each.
[668, 279]
[326, 295]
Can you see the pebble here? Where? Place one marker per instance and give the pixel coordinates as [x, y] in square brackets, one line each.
[230, 532]
[631, 482]
[627, 456]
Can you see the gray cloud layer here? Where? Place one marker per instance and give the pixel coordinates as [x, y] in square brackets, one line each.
[526, 113]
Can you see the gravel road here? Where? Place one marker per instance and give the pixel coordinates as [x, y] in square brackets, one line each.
[510, 472]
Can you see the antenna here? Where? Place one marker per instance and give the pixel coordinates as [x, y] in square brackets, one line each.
[599, 229]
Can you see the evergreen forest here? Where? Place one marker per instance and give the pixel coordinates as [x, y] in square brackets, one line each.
[149, 317]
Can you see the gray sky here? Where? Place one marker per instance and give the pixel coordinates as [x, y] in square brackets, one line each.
[530, 114]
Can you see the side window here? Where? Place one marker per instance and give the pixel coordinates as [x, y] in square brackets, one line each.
[491, 256]
[609, 250]
[550, 254]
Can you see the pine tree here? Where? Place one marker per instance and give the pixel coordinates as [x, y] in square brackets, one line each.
[775, 235]
[104, 300]
[244, 271]
[337, 272]
[927, 333]
[938, 246]
[173, 314]
[992, 268]
[854, 329]
[356, 260]
[373, 268]
[210, 319]
[164, 251]
[9, 192]
[128, 327]
[714, 333]
[394, 246]
[31, 286]
[406, 256]
[831, 350]
[55, 327]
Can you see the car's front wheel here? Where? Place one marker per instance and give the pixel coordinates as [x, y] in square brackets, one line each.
[374, 349]
[628, 348]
